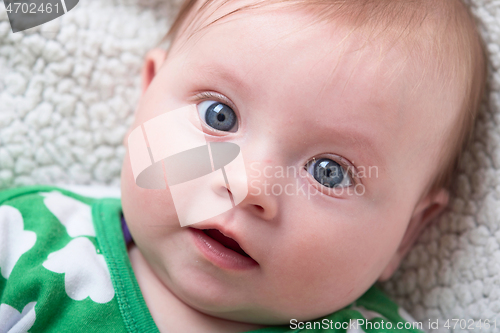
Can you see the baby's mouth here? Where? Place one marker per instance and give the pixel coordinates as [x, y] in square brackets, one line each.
[225, 241]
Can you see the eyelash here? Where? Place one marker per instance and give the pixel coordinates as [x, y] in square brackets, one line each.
[210, 95]
[346, 166]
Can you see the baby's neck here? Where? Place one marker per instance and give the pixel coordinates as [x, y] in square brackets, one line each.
[169, 312]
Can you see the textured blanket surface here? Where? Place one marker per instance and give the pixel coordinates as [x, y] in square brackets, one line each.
[68, 90]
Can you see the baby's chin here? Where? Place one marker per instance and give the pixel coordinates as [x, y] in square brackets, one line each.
[260, 315]
[266, 311]
[251, 314]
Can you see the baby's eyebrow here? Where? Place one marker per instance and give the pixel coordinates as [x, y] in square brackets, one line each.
[362, 146]
[223, 72]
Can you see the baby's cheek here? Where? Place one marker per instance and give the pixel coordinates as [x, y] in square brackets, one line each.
[145, 207]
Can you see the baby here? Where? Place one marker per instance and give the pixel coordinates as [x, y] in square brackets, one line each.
[348, 118]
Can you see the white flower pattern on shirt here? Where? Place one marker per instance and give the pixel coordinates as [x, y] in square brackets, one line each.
[11, 321]
[86, 272]
[75, 215]
[14, 240]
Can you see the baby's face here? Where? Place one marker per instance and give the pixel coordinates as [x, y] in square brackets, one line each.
[308, 100]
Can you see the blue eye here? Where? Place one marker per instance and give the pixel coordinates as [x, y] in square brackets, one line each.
[218, 116]
[329, 173]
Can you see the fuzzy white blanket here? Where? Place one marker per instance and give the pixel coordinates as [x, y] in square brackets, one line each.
[68, 90]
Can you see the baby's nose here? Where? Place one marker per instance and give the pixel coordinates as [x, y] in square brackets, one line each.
[227, 159]
[260, 200]
[244, 191]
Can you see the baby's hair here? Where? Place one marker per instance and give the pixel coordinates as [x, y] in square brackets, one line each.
[442, 32]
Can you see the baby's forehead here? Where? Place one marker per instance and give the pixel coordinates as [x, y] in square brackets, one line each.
[418, 28]
[390, 19]
[397, 46]
[391, 47]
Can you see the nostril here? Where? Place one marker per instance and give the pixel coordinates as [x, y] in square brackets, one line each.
[259, 208]
[222, 190]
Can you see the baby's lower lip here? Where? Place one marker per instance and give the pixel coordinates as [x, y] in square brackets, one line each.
[220, 255]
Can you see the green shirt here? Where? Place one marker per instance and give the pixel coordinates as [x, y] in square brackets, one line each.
[64, 267]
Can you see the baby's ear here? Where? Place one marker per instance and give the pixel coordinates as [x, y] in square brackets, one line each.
[425, 211]
[152, 63]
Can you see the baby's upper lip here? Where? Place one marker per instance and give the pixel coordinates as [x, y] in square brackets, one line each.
[225, 231]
